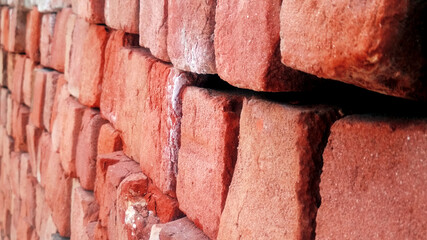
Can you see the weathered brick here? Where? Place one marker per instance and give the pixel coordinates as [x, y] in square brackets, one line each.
[32, 34]
[45, 226]
[33, 137]
[17, 29]
[44, 152]
[18, 79]
[122, 15]
[52, 5]
[9, 115]
[91, 10]
[11, 60]
[58, 112]
[109, 140]
[153, 27]
[28, 81]
[58, 40]
[209, 139]
[27, 193]
[3, 106]
[111, 169]
[100, 232]
[58, 194]
[3, 67]
[373, 175]
[84, 210]
[86, 149]
[247, 47]
[4, 26]
[165, 207]
[376, 45]
[275, 181]
[20, 119]
[36, 116]
[190, 35]
[179, 229]
[46, 38]
[49, 97]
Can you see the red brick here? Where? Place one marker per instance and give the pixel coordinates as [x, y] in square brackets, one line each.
[46, 38]
[12, 168]
[52, 5]
[109, 140]
[58, 40]
[111, 169]
[122, 15]
[275, 181]
[87, 66]
[3, 67]
[32, 34]
[45, 226]
[209, 139]
[134, 220]
[28, 81]
[3, 106]
[58, 112]
[156, 87]
[49, 97]
[44, 152]
[33, 138]
[20, 119]
[100, 232]
[68, 42]
[84, 211]
[4, 26]
[247, 47]
[190, 35]
[17, 27]
[374, 174]
[28, 199]
[9, 115]
[58, 194]
[90, 10]
[86, 149]
[36, 116]
[11, 60]
[18, 79]
[71, 124]
[16, 204]
[164, 206]
[179, 229]
[153, 27]
[375, 45]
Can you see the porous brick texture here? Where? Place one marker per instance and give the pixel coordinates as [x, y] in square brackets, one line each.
[216, 119]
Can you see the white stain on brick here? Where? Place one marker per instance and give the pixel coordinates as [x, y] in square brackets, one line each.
[155, 232]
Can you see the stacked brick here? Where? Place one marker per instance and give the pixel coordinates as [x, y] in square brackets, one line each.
[111, 127]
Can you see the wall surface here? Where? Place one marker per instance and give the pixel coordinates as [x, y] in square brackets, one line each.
[215, 119]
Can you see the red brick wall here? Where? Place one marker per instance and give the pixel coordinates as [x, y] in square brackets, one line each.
[267, 119]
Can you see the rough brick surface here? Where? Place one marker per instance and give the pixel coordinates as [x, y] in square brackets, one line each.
[59, 112]
[44, 150]
[3, 67]
[122, 15]
[36, 116]
[153, 27]
[109, 140]
[11, 60]
[46, 38]
[276, 173]
[375, 45]
[28, 81]
[44, 223]
[20, 119]
[3, 106]
[17, 29]
[86, 149]
[49, 97]
[84, 211]
[177, 230]
[209, 139]
[190, 35]
[33, 137]
[9, 115]
[4, 26]
[91, 10]
[32, 35]
[52, 5]
[247, 46]
[58, 41]
[18, 79]
[373, 173]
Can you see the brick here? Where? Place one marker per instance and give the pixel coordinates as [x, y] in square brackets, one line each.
[92, 11]
[84, 211]
[52, 5]
[111, 169]
[122, 15]
[45, 227]
[109, 140]
[100, 232]
[20, 119]
[18, 79]
[3, 67]
[32, 33]
[13, 174]
[58, 194]
[17, 29]
[158, 87]
[179, 229]
[11, 60]
[9, 115]
[3, 106]
[58, 112]
[257, 66]
[46, 38]
[356, 43]
[44, 152]
[165, 207]
[275, 181]
[134, 220]
[87, 61]
[193, 24]
[209, 139]
[68, 42]
[28, 81]
[153, 27]
[49, 97]
[71, 124]
[36, 116]
[86, 149]
[33, 138]
[28, 197]
[58, 40]
[16, 204]
[374, 170]
[4, 26]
